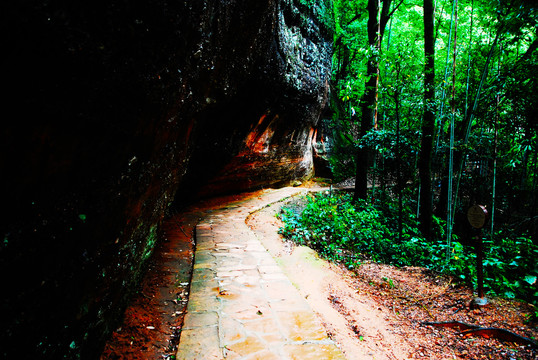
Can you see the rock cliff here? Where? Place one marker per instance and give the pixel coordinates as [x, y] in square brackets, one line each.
[120, 110]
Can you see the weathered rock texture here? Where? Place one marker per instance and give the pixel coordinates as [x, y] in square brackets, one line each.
[120, 108]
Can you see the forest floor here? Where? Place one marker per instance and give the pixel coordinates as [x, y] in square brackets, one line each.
[373, 312]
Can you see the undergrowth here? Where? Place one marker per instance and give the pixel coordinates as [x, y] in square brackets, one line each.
[350, 232]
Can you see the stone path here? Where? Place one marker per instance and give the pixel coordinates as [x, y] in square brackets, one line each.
[241, 305]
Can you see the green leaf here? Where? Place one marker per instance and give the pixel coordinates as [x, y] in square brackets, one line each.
[530, 279]
[509, 295]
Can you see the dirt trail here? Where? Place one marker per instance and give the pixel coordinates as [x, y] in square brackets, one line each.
[356, 323]
[378, 311]
[374, 312]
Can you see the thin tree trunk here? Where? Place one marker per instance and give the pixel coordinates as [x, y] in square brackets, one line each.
[376, 29]
[443, 203]
[534, 209]
[424, 164]
[449, 213]
[399, 182]
[494, 185]
[469, 61]
[368, 101]
[459, 156]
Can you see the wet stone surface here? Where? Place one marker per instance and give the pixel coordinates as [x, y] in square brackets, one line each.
[241, 305]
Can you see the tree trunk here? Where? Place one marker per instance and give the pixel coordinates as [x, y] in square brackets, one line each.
[399, 178]
[368, 102]
[424, 164]
[376, 29]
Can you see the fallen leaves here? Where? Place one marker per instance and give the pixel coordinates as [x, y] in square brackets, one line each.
[420, 296]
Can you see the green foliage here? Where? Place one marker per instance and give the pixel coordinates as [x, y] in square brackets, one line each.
[345, 231]
[342, 155]
[322, 10]
[510, 267]
[498, 144]
[348, 232]
[333, 226]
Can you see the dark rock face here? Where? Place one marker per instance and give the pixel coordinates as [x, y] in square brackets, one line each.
[274, 110]
[122, 108]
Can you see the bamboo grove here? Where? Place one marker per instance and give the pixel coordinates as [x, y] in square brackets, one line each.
[435, 106]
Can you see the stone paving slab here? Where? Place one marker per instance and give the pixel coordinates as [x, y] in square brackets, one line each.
[241, 305]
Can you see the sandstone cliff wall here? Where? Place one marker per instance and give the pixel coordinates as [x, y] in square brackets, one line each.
[120, 109]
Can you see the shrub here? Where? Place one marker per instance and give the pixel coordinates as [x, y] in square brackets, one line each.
[344, 231]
